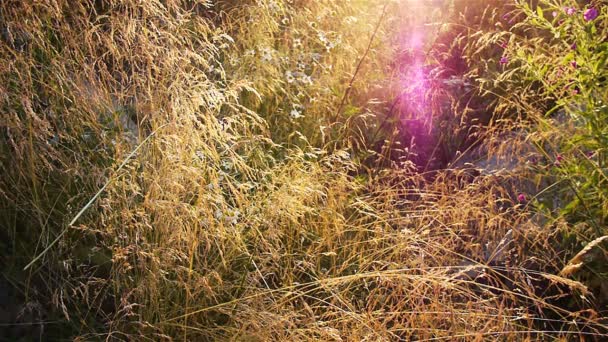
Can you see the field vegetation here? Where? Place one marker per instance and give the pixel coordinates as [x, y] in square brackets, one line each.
[303, 170]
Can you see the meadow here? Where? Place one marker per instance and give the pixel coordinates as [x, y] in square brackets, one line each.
[303, 170]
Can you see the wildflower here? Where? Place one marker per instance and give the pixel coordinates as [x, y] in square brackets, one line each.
[266, 55]
[504, 60]
[570, 10]
[554, 13]
[590, 14]
[306, 79]
[297, 43]
[521, 198]
[200, 155]
[232, 219]
[590, 154]
[573, 46]
[226, 164]
[295, 114]
[558, 160]
[274, 7]
[574, 64]
[285, 21]
[289, 77]
[533, 160]
[322, 37]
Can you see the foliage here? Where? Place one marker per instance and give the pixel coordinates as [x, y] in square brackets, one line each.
[248, 170]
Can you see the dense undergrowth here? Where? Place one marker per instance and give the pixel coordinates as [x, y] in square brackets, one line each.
[303, 170]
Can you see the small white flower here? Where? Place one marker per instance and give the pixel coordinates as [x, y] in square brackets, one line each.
[322, 37]
[297, 43]
[285, 21]
[273, 6]
[289, 76]
[295, 114]
[266, 55]
[226, 164]
[306, 79]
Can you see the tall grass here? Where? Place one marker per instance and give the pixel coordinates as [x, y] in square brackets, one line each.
[241, 170]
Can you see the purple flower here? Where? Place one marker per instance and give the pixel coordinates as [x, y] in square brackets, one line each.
[521, 198]
[573, 46]
[554, 13]
[504, 60]
[533, 160]
[570, 10]
[574, 64]
[591, 14]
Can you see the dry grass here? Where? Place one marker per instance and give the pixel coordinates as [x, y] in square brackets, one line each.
[156, 143]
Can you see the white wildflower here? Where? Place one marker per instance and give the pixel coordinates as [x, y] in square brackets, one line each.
[289, 76]
[306, 79]
[296, 112]
[266, 55]
[273, 6]
[200, 155]
[227, 164]
[322, 37]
